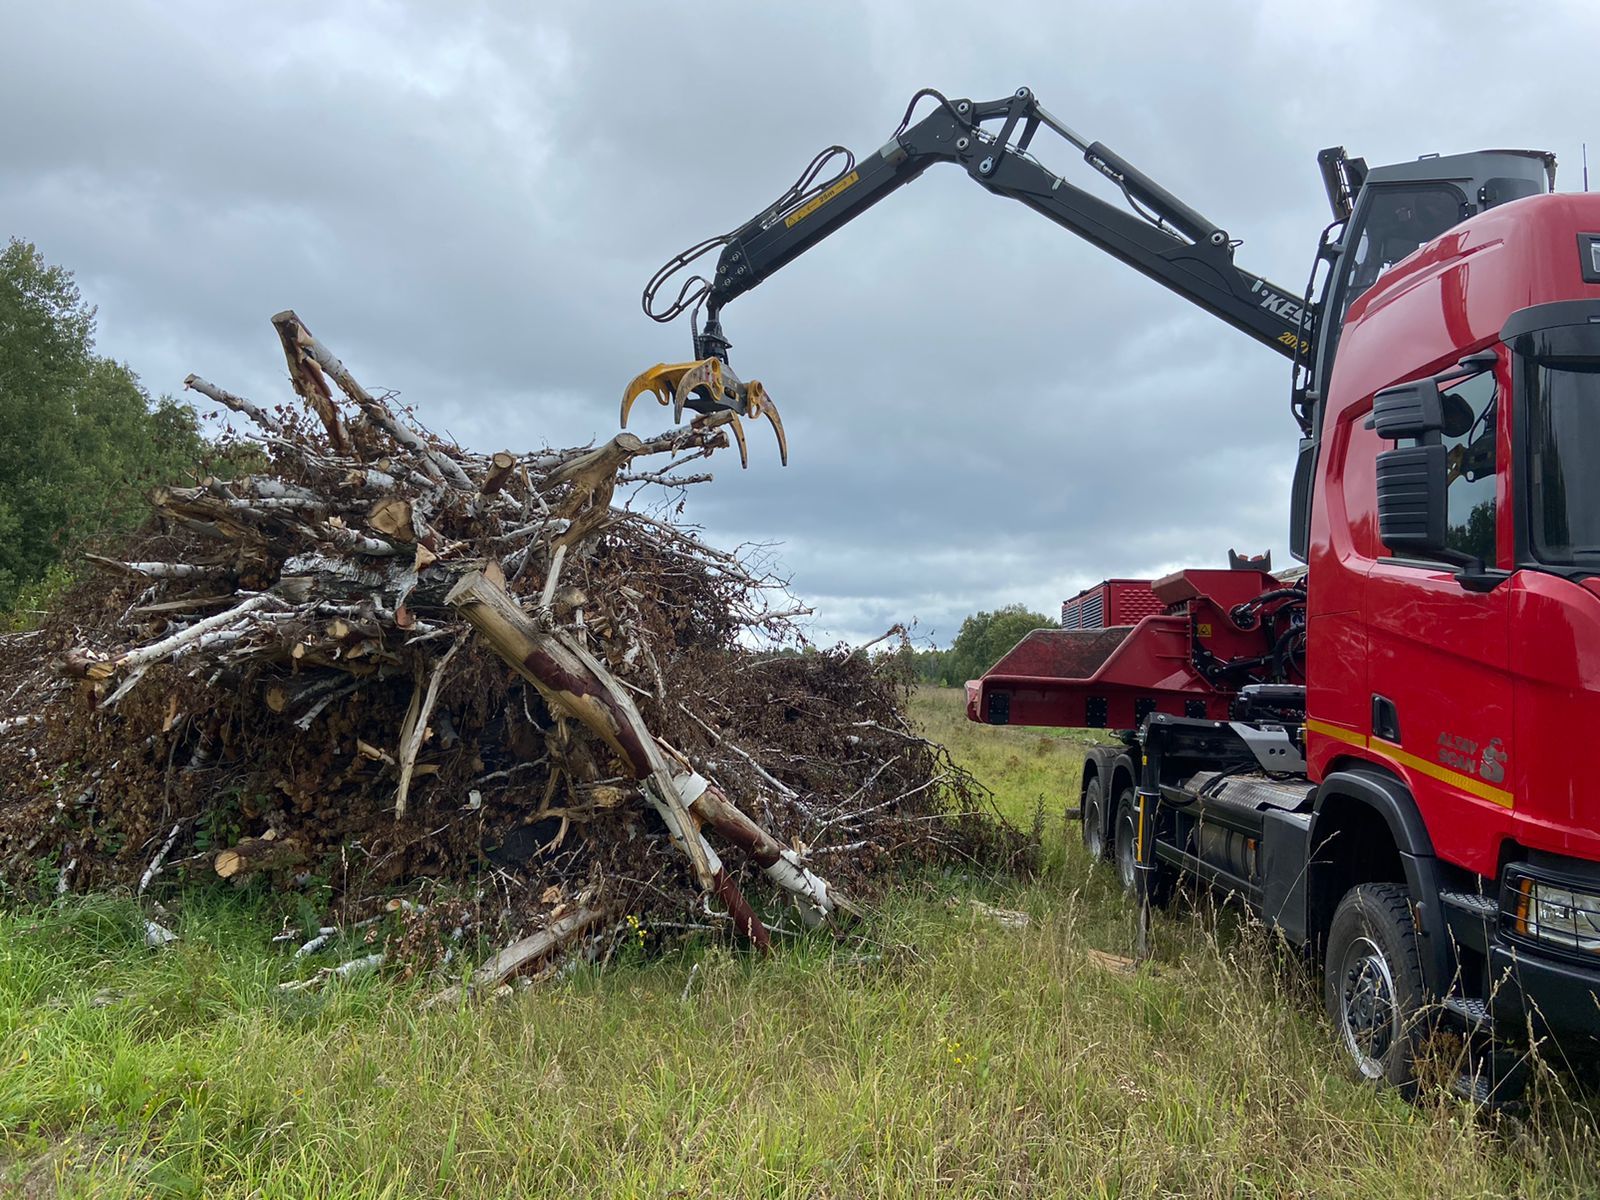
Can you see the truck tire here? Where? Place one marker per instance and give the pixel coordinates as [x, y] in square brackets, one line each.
[1126, 854]
[1094, 821]
[1372, 983]
[1126, 840]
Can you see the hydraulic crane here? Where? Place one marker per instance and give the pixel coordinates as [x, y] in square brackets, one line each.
[1157, 234]
[1385, 758]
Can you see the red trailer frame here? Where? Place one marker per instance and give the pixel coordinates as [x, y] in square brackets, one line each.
[1113, 677]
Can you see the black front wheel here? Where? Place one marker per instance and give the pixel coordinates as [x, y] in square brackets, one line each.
[1372, 983]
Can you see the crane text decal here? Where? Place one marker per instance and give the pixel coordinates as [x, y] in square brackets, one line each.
[816, 202]
[1286, 307]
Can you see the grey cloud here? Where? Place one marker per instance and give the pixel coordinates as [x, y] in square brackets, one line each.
[465, 200]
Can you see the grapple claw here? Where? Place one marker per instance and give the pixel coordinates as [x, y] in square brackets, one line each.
[759, 404]
[711, 389]
[659, 381]
[707, 373]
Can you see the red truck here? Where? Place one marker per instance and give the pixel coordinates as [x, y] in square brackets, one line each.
[1382, 755]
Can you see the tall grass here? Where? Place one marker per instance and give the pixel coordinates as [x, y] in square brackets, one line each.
[937, 1051]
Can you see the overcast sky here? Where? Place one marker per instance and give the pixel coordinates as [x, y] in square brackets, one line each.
[982, 409]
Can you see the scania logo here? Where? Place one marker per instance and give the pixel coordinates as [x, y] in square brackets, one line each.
[1492, 766]
[1487, 762]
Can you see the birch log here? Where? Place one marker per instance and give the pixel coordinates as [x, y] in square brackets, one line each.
[309, 358]
[571, 688]
[610, 712]
[188, 637]
[530, 949]
[575, 685]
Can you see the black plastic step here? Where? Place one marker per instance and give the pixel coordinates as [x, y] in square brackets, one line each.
[1476, 1088]
[1254, 792]
[1493, 1079]
[1475, 903]
[1473, 1011]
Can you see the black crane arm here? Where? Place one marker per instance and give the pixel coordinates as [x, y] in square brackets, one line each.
[1162, 237]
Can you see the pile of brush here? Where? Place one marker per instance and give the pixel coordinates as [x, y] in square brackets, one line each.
[372, 662]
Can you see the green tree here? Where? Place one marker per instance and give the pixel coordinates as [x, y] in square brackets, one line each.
[985, 636]
[930, 666]
[79, 437]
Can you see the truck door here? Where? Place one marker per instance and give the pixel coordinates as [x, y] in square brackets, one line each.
[1438, 667]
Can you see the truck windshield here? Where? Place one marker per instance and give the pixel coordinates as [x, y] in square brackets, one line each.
[1563, 423]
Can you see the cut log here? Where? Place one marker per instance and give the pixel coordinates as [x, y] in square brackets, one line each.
[83, 663]
[391, 516]
[589, 472]
[781, 864]
[161, 570]
[310, 358]
[593, 480]
[575, 684]
[500, 468]
[258, 854]
[309, 383]
[358, 543]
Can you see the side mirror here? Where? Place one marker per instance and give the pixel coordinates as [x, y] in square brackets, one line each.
[1305, 466]
[1413, 512]
[1411, 499]
[1407, 410]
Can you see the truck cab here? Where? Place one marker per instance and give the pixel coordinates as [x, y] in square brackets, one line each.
[1453, 607]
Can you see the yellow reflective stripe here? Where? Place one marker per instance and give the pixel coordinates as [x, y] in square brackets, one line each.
[1138, 845]
[1466, 783]
[1337, 732]
[1473, 787]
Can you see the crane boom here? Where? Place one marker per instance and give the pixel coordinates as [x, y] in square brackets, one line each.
[1380, 216]
[1162, 238]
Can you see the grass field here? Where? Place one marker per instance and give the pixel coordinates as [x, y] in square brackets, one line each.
[940, 1053]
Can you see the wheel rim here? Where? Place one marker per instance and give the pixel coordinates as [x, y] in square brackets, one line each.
[1127, 852]
[1369, 1015]
[1094, 829]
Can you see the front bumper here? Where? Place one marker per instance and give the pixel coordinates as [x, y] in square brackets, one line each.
[1541, 995]
[1540, 986]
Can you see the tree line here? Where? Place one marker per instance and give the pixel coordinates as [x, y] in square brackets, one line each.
[982, 639]
[80, 438]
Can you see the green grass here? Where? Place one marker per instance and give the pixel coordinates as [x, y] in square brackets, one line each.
[1032, 772]
[936, 1053]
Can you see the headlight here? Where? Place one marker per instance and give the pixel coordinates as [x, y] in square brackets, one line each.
[1557, 915]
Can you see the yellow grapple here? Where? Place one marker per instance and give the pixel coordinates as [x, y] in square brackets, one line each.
[708, 386]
